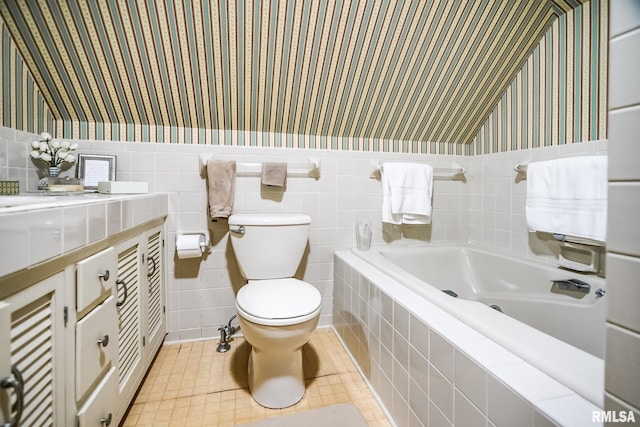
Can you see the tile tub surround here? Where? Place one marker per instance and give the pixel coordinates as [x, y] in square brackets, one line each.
[30, 236]
[431, 369]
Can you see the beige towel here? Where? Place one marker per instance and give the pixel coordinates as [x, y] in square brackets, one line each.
[222, 184]
[274, 174]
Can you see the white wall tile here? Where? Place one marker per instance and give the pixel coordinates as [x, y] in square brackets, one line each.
[74, 227]
[623, 233]
[621, 375]
[15, 245]
[624, 69]
[624, 291]
[506, 408]
[624, 151]
[45, 234]
[624, 15]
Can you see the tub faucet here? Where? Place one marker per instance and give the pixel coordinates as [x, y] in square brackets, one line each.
[572, 285]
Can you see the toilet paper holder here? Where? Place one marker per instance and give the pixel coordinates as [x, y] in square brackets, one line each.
[203, 239]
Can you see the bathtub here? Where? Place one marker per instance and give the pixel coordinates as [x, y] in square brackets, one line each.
[559, 332]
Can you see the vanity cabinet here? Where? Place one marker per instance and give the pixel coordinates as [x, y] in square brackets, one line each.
[141, 320]
[82, 337]
[33, 346]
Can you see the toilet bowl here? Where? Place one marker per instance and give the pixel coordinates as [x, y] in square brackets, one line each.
[277, 312]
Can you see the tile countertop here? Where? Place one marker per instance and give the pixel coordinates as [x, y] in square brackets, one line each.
[34, 227]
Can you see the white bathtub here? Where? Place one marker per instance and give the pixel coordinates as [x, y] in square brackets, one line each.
[559, 332]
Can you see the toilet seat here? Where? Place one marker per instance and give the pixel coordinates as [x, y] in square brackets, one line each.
[278, 302]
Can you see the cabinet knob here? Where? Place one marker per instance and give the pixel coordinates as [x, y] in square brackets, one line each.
[106, 421]
[104, 276]
[104, 341]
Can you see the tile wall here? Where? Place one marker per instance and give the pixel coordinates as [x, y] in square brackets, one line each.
[201, 291]
[486, 208]
[622, 376]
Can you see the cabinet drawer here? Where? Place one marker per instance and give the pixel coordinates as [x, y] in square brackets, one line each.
[96, 344]
[95, 276]
[101, 407]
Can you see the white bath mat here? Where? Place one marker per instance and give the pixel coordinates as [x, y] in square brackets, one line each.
[343, 414]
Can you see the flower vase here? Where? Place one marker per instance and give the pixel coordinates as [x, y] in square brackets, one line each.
[53, 172]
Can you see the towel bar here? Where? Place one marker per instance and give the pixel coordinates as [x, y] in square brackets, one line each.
[521, 167]
[375, 167]
[309, 169]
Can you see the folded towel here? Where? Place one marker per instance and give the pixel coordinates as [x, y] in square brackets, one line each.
[568, 196]
[274, 174]
[222, 183]
[406, 193]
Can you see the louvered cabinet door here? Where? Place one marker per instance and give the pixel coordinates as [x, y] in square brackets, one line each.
[130, 350]
[36, 343]
[156, 325]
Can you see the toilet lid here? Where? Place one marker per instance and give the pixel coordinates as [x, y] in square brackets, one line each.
[278, 298]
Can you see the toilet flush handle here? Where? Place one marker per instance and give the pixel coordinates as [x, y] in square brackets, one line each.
[236, 229]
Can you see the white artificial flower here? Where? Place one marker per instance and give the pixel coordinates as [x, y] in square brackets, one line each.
[70, 158]
[45, 135]
[35, 144]
[55, 143]
[35, 154]
[46, 157]
[65, 144]
[43, 147]
[73, 146]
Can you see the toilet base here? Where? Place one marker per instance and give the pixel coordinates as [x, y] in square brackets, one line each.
[276, 379]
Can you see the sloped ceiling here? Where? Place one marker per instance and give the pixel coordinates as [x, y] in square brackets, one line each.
[403, 70]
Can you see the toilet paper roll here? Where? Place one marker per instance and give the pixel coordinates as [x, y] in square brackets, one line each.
[190, 245]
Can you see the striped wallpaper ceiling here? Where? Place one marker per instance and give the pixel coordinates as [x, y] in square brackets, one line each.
[403, 70]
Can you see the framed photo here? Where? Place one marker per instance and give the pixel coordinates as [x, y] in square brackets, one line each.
[93, 168]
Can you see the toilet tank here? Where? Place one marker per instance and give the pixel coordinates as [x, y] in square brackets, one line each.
[272, 244]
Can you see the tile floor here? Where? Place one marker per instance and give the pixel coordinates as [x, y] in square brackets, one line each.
[193, 385]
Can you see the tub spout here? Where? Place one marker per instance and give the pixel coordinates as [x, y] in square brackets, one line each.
[572, 285]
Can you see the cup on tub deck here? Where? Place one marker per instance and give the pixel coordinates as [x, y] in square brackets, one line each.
[363, 235]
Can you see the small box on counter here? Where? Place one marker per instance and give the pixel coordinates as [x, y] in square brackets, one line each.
[123, 187]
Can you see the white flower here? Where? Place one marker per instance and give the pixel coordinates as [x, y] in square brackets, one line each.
[70, 158]
[45, 135]
[73, 146]
[44, 147]
[55, 143]
[35, 144]
[53, 151]
[35, 154]
[65, 144]
[46, 157]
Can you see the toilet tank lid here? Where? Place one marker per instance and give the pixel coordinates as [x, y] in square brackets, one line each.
[269, 218]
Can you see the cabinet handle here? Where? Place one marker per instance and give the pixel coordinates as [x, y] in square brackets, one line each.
[106, 421]
[104, 276]
[15, 382]
[124, 297]
[104, 341]
[153, 268]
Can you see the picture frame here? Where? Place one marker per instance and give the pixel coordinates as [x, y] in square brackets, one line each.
[93, 168]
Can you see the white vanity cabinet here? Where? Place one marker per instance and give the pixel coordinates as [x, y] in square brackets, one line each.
[33, 343]
[141, 320]
[81, 328]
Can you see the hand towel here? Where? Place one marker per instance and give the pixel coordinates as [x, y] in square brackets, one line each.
[406, 193]
[274, 174]
[568, 196]
[222, 184]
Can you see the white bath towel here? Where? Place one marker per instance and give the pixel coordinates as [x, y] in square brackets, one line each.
[406, 193]
[568, 196]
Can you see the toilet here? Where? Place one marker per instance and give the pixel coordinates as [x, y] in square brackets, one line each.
[277, 312]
